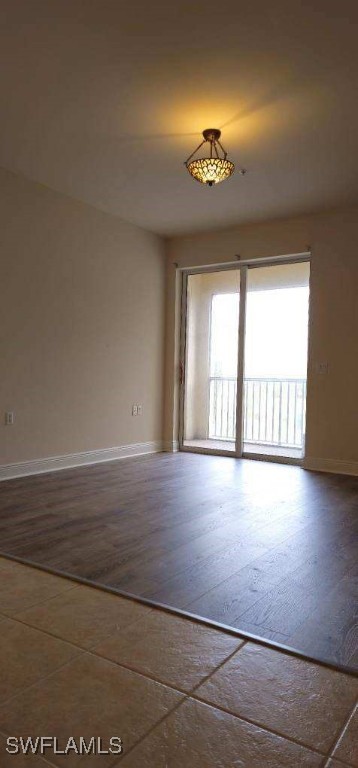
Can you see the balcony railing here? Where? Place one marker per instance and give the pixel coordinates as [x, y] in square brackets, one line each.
[274, 411]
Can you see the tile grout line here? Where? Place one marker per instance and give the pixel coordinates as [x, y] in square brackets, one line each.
[152, 728]
[234, 632]
[47, 633]
[152, 606]
[140, 599]
[155, 679]
[185, 693]
[91, 651]
[39, 680]
[340, 763]
[260, 725]
[53, 635]
[44, 760]
[186, 696]
[222, 663]
[36, 605]
[128, 668]
[84, 652]
[342, 732]
[191, 695]
[270, 643]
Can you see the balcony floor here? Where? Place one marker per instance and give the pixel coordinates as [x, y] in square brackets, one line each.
[256, 448]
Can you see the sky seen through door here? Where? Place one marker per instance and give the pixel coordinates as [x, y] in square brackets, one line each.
[276, 334]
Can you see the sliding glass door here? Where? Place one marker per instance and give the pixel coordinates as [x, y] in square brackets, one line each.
[244, 360]
[210, 401]
[276, 338]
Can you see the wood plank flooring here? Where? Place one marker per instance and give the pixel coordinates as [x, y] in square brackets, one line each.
[267, 548]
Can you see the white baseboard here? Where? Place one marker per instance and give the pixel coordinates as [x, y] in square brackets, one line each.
[71, 460]
[171, 446]
[54, 463]
[337, 466]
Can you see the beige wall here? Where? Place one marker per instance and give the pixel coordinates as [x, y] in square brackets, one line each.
[332, 406]
[81, 324]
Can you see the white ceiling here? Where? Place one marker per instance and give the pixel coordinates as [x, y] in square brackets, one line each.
[104, 100]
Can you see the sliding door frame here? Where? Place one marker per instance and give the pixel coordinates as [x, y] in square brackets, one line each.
[241, 363]
[242, 267]
[186, 273]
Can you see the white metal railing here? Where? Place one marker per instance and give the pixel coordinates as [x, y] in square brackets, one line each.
[274, 410]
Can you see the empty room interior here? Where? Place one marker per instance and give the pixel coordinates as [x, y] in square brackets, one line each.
[178, 384]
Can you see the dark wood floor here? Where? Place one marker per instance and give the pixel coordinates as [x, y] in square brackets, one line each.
[266, 548]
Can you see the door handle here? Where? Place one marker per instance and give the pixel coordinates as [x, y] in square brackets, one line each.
[181, 372]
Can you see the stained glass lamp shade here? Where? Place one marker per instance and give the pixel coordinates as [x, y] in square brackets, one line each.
[215, 168]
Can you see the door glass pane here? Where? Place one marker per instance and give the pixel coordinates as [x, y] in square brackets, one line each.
[276, 360]
[211, 360]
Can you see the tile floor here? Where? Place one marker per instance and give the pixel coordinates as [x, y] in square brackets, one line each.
[78, 661]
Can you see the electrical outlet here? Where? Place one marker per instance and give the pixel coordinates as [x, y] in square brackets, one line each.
[134, 410]
[9, 418]
[139, 410]
[322, 368]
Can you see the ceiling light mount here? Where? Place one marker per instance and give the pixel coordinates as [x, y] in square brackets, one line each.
[212, 134]
[215, 168]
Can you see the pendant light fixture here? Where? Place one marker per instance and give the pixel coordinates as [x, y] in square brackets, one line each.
[215, 168]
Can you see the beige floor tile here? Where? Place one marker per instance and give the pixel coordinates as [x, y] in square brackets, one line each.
[19, 760]
[85, 615]
[5, 562]
[347, 747]
[298, 699]
[22, 586]
[199, 736]
[175, 651]
[89, 697]
[28, 655]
